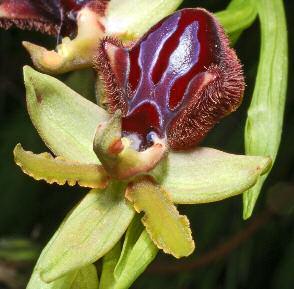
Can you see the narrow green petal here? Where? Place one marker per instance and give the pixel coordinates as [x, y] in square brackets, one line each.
[168, 229]
[65, 120]
[208, 175]
[90, 231]
[59, 170]
[265, 115]
[128, 19]
[83, 278]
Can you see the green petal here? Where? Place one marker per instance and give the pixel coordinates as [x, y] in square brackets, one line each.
[266, 112]
[208, 175]
[137, 253]
[118, 157]
[90, 231]
[129, 20]
[65, 120]
[168, 229]
[84, 278]
[59, 170]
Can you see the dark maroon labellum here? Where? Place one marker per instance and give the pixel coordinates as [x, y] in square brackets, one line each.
[48, 16]
[177, 81]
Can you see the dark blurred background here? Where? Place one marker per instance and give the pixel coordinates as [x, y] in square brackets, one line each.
[232, 253]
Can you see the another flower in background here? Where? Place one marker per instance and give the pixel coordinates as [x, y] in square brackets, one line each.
[82, 23]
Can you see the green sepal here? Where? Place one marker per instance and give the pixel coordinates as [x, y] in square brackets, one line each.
[65, 120]
[84, 237]
[83, 278]
[59, 170]
[206, 175]
[266, 111]
[169, 230]
[116, 154]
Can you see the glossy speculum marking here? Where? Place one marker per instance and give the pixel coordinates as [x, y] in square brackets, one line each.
[177, 81]
[48, 16]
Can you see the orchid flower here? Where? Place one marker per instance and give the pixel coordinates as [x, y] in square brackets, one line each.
[82, 23]
[141, 156]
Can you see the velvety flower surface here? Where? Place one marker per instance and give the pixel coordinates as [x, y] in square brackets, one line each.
[176, 82]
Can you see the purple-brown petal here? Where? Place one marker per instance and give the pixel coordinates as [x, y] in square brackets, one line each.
[177, 81]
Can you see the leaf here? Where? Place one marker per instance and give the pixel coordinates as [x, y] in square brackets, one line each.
[207, 175]
[65, 120]
[59, 170]
[109, 262]
[90, 231]
[137, 253]
[83, 278]
[168, 229]
[144, 14]
[265, 115]
[239, 15]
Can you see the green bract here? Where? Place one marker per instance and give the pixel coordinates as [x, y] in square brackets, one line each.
[96, 225]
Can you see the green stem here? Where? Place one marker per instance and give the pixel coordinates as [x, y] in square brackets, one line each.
[265, 115]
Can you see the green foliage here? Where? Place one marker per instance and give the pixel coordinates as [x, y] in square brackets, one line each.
[266, 112]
